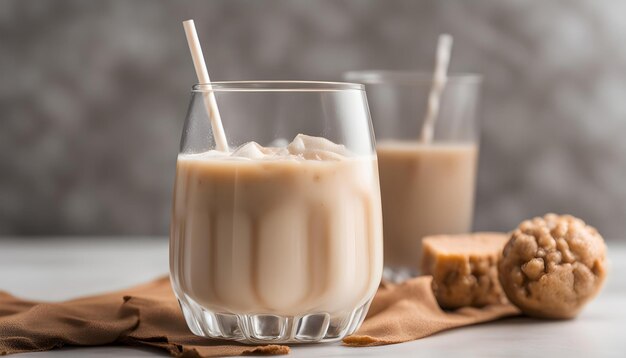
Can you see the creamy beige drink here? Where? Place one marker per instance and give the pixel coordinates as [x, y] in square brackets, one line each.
[426, 189]
[283, 231]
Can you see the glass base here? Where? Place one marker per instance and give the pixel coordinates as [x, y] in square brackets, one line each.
[269, 328]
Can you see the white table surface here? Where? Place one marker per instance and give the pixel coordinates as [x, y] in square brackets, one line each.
[61, 268]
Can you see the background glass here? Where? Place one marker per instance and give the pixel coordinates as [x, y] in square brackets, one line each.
[277, 250]
[426, 188]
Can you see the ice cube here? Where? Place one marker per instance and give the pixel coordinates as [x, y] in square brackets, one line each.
[316, 148]
[250, 150]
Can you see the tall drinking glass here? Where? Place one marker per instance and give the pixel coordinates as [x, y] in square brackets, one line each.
[279, 239]
[427, 188]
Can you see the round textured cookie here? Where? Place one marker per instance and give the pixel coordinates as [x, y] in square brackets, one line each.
[552, 266]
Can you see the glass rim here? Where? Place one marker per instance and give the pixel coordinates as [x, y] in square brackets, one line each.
[276, 86]
[407, 77]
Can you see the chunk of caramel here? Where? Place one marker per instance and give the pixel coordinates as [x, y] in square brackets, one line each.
[464, 268]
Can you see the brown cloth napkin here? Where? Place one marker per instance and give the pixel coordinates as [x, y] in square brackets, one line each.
[148, 315]
[409, 311]
[145, 315]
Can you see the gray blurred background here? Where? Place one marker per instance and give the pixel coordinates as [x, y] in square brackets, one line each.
[93, 96]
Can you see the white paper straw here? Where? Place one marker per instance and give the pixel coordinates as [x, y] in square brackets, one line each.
[203, 78]
[440, 77]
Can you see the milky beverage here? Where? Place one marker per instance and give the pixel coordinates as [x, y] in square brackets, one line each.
[426, 189]
[285, 231]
